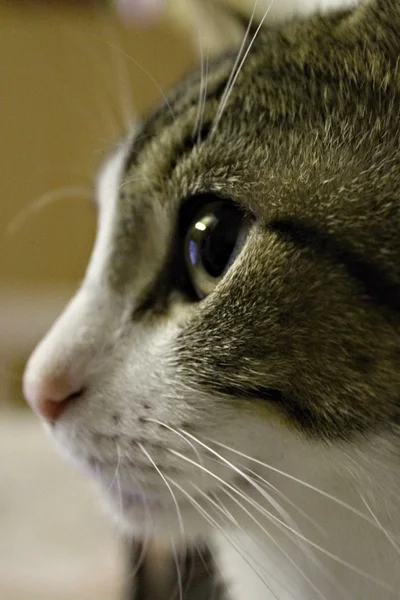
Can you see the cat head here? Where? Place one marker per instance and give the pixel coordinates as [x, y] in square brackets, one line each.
[242, 302]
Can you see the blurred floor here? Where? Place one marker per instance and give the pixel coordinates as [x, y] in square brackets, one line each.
[55, 541]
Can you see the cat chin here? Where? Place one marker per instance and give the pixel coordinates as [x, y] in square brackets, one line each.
[157, 522]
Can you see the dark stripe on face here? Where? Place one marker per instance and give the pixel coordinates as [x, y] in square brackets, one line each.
[371, 277]
[307, 419]
[183, 98]
[254, 392]
[187, 144]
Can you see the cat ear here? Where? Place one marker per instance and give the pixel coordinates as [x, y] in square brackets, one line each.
[376, 25]
[215, 25]
[210, 26]
[139, 11]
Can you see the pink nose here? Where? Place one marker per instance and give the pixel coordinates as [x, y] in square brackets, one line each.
[49, 397]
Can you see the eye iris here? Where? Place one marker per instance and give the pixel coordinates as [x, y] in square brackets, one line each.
[212, 243]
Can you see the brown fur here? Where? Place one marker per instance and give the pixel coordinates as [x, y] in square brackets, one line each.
[309, 318]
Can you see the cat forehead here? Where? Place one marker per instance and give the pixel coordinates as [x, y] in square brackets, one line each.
[110, 174]
[295, 113]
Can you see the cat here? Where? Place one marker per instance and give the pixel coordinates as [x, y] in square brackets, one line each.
[229, 370]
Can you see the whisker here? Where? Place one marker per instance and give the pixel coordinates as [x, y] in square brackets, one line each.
[204, 69]
[204, 98]
[281, 524]
[178, 565]
[180, 520]
[231, 519]
[334, 557]
[218, 503]
[269, 499]
[146, 542]
[112, 126]
[235, 64]
[141, 68]
[179, 516]
[285, 497]
[289, 525]
[214, 524]
[314, 559]
[226, 484]
[182, 436]
[381, 527]
[116, 470]
[309, 486]
[215, 584]
[202, 78]
[271, 537]
[116, 534]
[122, 76]
[133, 179]
[189, 573]
[226, 95]
[71, 191]
[263, 493]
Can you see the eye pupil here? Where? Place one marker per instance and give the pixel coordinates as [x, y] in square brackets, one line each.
[218, 244]
[212, 243]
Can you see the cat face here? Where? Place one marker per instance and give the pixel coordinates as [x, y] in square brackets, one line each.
[243, 296]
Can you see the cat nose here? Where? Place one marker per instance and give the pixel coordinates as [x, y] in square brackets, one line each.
[49, 396]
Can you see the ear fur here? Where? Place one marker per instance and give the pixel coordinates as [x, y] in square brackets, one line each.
[210, 28]
[376, 24]
[215, 25]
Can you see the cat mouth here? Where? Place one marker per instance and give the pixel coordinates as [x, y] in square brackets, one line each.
[128, 495]
[139, 499]
[131, 495]
[149, 500]
[146, 496]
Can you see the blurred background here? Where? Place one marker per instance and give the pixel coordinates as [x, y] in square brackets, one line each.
[71, 79]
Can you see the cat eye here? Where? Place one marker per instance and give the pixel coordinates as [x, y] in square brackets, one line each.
[213, 241]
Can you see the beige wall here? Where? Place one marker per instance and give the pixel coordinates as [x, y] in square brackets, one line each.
[65, 96]
[60, 111]
[62, 89]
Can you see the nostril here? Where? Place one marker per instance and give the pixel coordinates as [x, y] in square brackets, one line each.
[75, 395]
[49, 396]
[51, 410]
